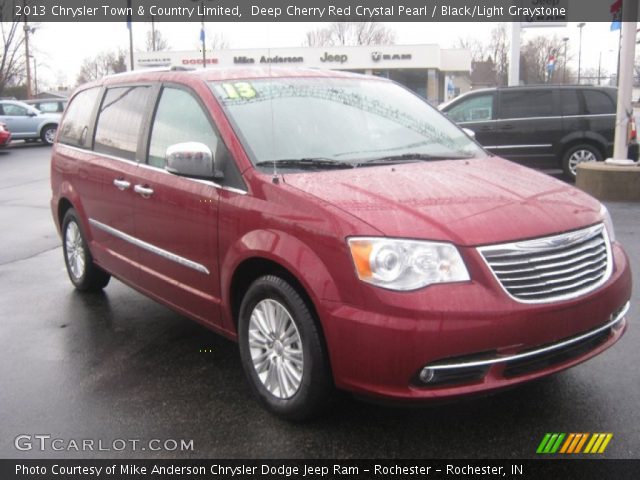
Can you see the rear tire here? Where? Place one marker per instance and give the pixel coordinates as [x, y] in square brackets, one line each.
[577, 154]
[48, 134]
[282, 350]
[83, 273]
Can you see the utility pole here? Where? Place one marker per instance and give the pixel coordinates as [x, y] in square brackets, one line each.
[564, 68]
[599, 66]
[35, 75]
[580, 26]
[27, 30]
[153, 35]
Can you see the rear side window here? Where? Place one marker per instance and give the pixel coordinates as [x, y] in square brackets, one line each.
[120, 121]
[49, 107]
[75, 125]
[179, 119]
[475, 109]
[597, 102]
[569, 102]
[526, 104]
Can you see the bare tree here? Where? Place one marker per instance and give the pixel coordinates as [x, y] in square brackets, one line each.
[477, 49]
[498, 49]
[535, 57]
[350, 33]
[155, 41]
[105, 63]
[218, 42]
[12, 61]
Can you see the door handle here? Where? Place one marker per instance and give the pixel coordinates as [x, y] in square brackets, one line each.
[121, 184]
[508, 126]
[145, 192]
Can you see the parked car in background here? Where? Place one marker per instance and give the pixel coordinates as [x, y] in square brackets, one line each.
[49, 105]
[540, 126]
[5, 135]
[342, 230]
[27, 122]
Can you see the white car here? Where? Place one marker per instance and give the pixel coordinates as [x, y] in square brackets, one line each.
[28, 123]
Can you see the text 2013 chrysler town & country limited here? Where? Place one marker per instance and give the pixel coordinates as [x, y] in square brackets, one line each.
[344, 232]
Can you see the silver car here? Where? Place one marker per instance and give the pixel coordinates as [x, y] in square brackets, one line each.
[27, 122]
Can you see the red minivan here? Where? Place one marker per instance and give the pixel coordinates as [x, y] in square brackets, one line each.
[342, 230]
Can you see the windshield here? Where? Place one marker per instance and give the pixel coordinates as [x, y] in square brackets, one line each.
[340, 121]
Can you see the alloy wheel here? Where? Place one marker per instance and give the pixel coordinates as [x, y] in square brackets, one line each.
[75, 250]
[276, 348]
[580, 156]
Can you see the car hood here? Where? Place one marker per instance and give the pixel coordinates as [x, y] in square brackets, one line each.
[468, 202]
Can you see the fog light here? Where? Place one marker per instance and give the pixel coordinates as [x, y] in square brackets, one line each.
[427, 374]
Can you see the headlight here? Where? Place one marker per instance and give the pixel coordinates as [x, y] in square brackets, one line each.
[406, 264]
[608, 223]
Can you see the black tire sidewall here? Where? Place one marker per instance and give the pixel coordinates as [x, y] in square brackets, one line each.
[309, 397]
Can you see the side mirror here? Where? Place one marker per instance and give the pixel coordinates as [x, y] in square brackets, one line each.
[31, 113]
[469, 132]
[191, 159]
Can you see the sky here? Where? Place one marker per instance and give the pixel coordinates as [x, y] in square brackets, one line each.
[61, 47]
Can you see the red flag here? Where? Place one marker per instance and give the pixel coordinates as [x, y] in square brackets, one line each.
[616, 6]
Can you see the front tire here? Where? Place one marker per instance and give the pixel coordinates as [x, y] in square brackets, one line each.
[48, 134]
[83, 273]
[282, 350]
[576, 155]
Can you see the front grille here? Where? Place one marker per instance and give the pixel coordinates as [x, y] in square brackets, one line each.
[552, 268]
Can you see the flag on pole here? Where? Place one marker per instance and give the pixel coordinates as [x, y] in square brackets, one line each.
[616, 12]
[551, 64]
[202, 37]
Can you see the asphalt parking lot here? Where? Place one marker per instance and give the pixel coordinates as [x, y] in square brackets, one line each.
[119, 366]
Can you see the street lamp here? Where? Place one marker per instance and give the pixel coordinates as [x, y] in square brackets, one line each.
[564, 68]
[580, 26]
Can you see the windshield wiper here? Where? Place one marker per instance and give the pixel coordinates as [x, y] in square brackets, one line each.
[306, 163]
[410, 157]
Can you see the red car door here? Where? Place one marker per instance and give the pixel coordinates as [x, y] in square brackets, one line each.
[176, 217]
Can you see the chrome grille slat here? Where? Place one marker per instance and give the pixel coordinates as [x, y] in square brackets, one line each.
[558, 280]
[558, 289]
[600, 250]
[528, 245]
[596, 261]
[590, 245]
[552, 268]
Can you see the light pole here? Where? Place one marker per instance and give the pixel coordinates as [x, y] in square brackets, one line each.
[580, 26]
[599, 65]
[564, 67]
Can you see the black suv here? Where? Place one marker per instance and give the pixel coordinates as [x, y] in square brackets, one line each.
[544, 126]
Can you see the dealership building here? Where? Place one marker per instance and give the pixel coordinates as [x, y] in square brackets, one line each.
[432, 72]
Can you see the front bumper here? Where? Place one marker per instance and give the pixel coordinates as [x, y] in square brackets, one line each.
[475, 335]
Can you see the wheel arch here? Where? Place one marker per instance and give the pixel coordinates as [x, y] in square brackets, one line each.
[46, 124]
[252, 268]
[577, 138]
